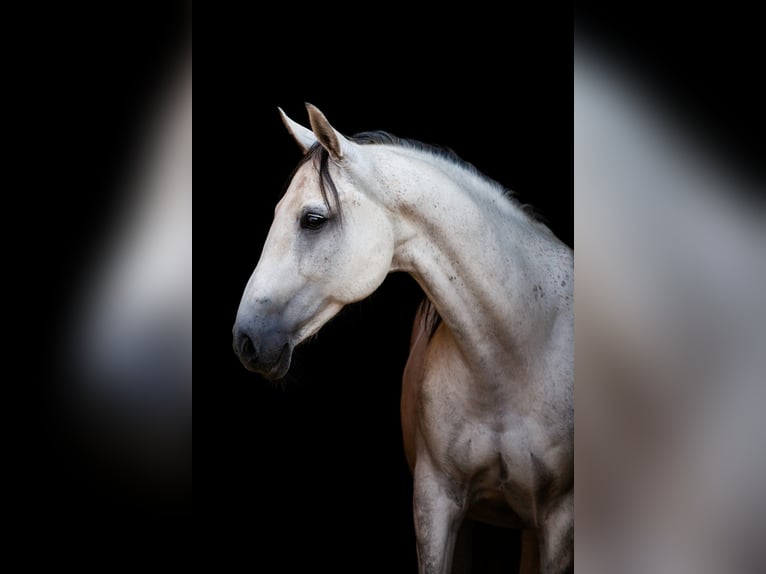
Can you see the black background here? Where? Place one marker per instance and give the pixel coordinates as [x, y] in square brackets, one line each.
[317, 461]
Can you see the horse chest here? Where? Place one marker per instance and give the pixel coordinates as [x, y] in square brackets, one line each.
[475, 448]
[490, 463]
[480, 443]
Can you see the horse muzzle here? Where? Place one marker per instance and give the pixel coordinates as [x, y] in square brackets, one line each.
[266, 351]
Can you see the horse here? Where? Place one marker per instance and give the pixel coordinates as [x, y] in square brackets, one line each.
[487, 391]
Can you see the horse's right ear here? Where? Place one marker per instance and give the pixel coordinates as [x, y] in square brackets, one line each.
[304, 136]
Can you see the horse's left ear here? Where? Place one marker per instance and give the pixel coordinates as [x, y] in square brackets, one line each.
[303, 136]
[331, 139]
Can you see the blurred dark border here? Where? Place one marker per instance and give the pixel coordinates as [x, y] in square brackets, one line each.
[706, 64]
[83, 84]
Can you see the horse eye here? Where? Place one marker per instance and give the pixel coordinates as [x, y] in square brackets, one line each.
[312, 221]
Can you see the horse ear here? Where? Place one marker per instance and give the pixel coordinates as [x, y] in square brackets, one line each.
[331, 139]
[304, 136]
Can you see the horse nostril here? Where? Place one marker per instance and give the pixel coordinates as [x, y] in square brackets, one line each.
[243, 346]
[247, 349]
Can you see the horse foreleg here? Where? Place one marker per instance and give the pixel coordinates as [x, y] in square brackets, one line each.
[557, 537]
[437, 521]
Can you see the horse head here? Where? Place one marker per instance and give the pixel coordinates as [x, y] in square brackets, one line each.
[331, 243]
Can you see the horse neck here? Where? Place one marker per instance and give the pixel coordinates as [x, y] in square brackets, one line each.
[481, 261]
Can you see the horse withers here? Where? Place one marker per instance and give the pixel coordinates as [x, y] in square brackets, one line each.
[487, 395]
